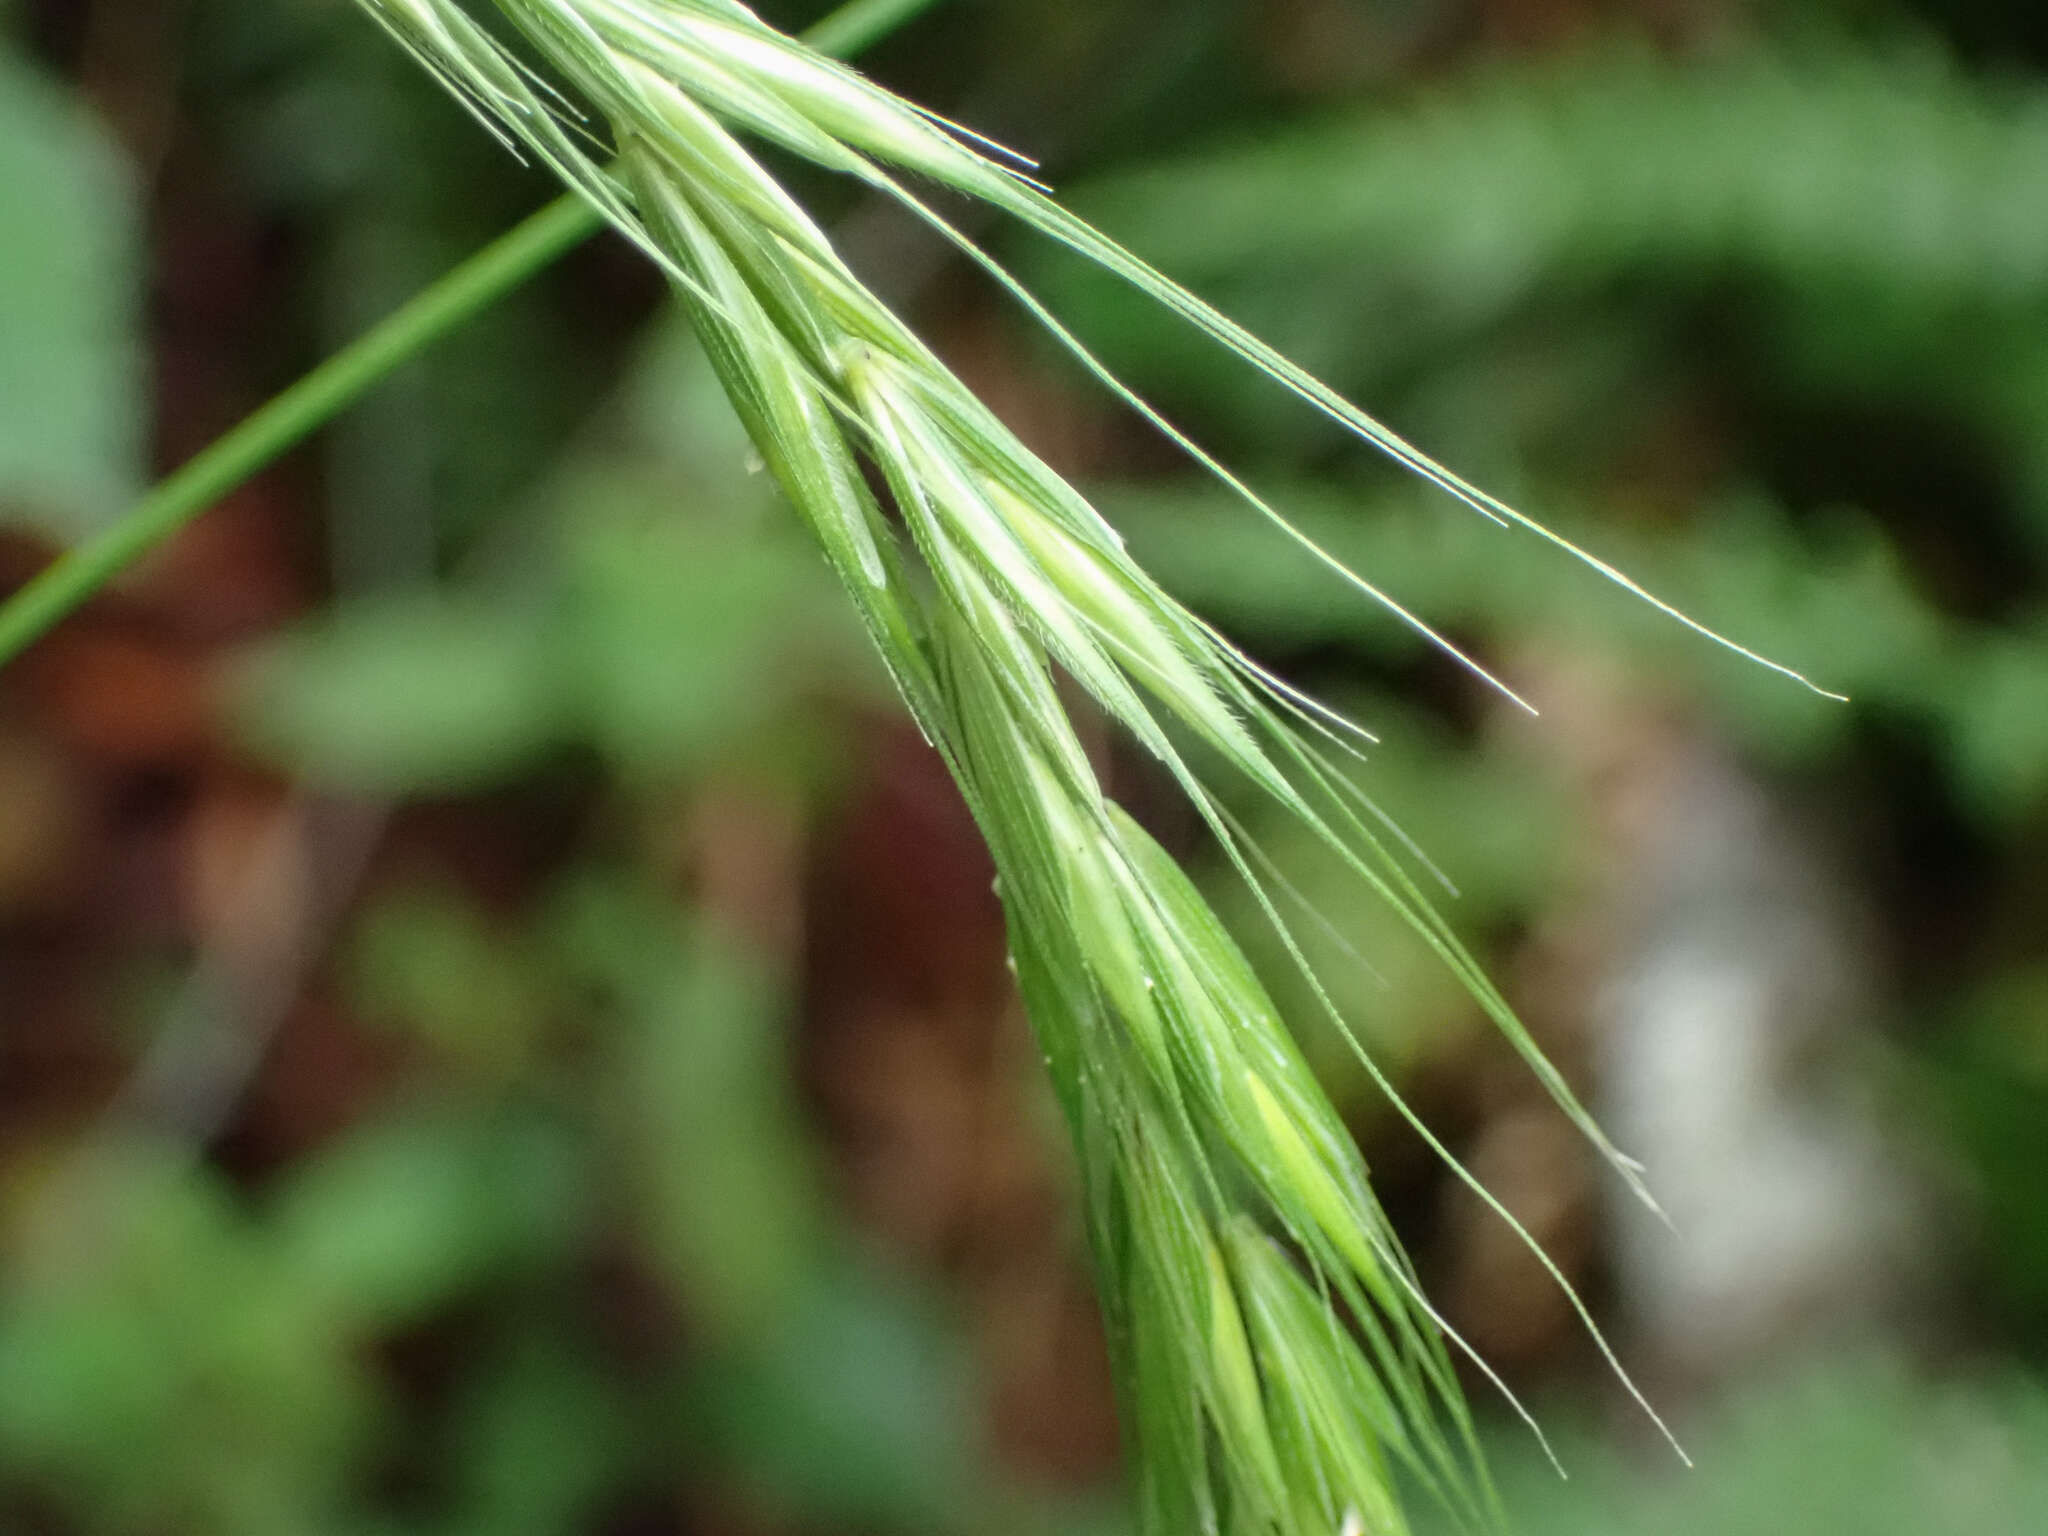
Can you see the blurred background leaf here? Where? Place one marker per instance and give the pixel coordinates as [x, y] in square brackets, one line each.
[71, 399]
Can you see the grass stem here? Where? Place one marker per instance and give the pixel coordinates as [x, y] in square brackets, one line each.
[526, 249]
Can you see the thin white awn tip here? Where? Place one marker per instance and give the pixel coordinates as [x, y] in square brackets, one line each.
[1631, 586]
[1062, 225]
[1059, 222]
[564, 108]
[1472, 1182]
[453, 73]
[1393, 1265]
[1176, 436]
[1274, 683]
[1017, 158]
[1350, 749]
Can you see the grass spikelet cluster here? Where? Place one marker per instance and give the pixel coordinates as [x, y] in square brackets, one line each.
[1276, 1357]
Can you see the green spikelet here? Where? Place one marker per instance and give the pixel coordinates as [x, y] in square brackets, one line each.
[1278, 1365]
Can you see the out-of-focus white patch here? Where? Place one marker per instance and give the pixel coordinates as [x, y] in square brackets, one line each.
[1738, 1024]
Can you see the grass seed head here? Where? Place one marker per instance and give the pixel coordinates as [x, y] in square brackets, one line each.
[1203, 1135]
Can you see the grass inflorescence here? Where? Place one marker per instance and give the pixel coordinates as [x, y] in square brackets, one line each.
[1277, 1360]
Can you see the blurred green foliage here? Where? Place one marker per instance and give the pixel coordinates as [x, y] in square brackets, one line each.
[1862, 1445]
[70, 392]
[653, 641]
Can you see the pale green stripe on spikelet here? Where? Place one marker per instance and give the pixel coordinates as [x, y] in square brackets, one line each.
[1331, 1421]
